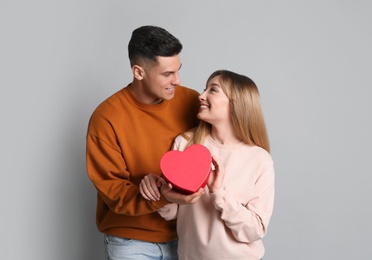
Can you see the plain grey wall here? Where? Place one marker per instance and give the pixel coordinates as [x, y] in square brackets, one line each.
[310, 59]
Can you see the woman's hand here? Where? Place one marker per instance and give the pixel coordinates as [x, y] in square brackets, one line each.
[179, 198]
[216, 176]
[150, 187]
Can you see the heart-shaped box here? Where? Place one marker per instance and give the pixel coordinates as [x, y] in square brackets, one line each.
[187, 171]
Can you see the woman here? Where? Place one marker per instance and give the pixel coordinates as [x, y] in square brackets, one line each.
[230, 219]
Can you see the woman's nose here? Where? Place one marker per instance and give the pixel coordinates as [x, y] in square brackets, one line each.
[202, 96]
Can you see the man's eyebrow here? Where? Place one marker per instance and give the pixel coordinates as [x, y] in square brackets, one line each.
[171, 71]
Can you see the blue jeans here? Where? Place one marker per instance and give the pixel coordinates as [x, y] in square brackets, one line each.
[117, 248]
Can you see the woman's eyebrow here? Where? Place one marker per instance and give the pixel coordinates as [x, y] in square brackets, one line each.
[214, 85]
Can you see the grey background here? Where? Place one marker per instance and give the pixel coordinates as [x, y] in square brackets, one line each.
[310, 59]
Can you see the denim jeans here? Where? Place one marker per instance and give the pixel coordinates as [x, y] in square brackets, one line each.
[117, 248]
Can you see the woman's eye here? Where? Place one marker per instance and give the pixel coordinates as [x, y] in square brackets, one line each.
[211, 89]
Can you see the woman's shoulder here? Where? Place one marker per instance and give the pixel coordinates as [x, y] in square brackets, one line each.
[187, 135]
[182, 140]
[260, 154]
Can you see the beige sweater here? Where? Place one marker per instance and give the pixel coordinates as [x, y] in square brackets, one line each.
[229, 223]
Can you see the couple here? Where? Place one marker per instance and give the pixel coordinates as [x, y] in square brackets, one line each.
[128, 133]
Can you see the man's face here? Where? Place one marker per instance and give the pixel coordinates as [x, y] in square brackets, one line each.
[160, 79]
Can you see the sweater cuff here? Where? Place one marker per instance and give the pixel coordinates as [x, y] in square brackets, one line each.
[162, 202]
[218, 198]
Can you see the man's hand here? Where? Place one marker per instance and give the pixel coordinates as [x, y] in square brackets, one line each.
[149, 186]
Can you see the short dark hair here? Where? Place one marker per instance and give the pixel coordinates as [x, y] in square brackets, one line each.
[148, 42]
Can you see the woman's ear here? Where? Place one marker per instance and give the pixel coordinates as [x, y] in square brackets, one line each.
[138, 72]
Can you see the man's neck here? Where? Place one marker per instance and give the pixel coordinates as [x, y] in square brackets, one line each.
[139, 94]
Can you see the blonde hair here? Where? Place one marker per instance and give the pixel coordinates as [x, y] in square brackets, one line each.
[246, 113]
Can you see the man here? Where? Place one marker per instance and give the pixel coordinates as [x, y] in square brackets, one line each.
[127, 135]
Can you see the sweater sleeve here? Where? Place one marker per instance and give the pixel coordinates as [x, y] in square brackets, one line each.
[169, 211]
[106, 168]
[248, 222]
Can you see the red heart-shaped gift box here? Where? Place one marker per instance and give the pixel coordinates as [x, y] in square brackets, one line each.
[187, 171]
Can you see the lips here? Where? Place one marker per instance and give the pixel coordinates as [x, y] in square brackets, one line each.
[170, 90]
[203, 107]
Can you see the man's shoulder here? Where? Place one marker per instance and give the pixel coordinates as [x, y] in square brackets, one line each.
[113, 99]
[184, 94]
[110, 106]
[187, 90]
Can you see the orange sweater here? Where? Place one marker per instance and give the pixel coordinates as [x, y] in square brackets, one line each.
[125, 141]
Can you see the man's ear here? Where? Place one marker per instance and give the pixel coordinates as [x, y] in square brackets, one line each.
[138, 72]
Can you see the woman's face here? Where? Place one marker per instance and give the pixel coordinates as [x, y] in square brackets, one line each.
[214, 104]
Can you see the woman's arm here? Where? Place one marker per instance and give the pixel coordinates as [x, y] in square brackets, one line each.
[248, 222]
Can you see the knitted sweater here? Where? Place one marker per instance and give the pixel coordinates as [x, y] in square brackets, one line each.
[125, 141]
[229, 223]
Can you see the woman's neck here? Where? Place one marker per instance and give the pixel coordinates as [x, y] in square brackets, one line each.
[224, 135]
